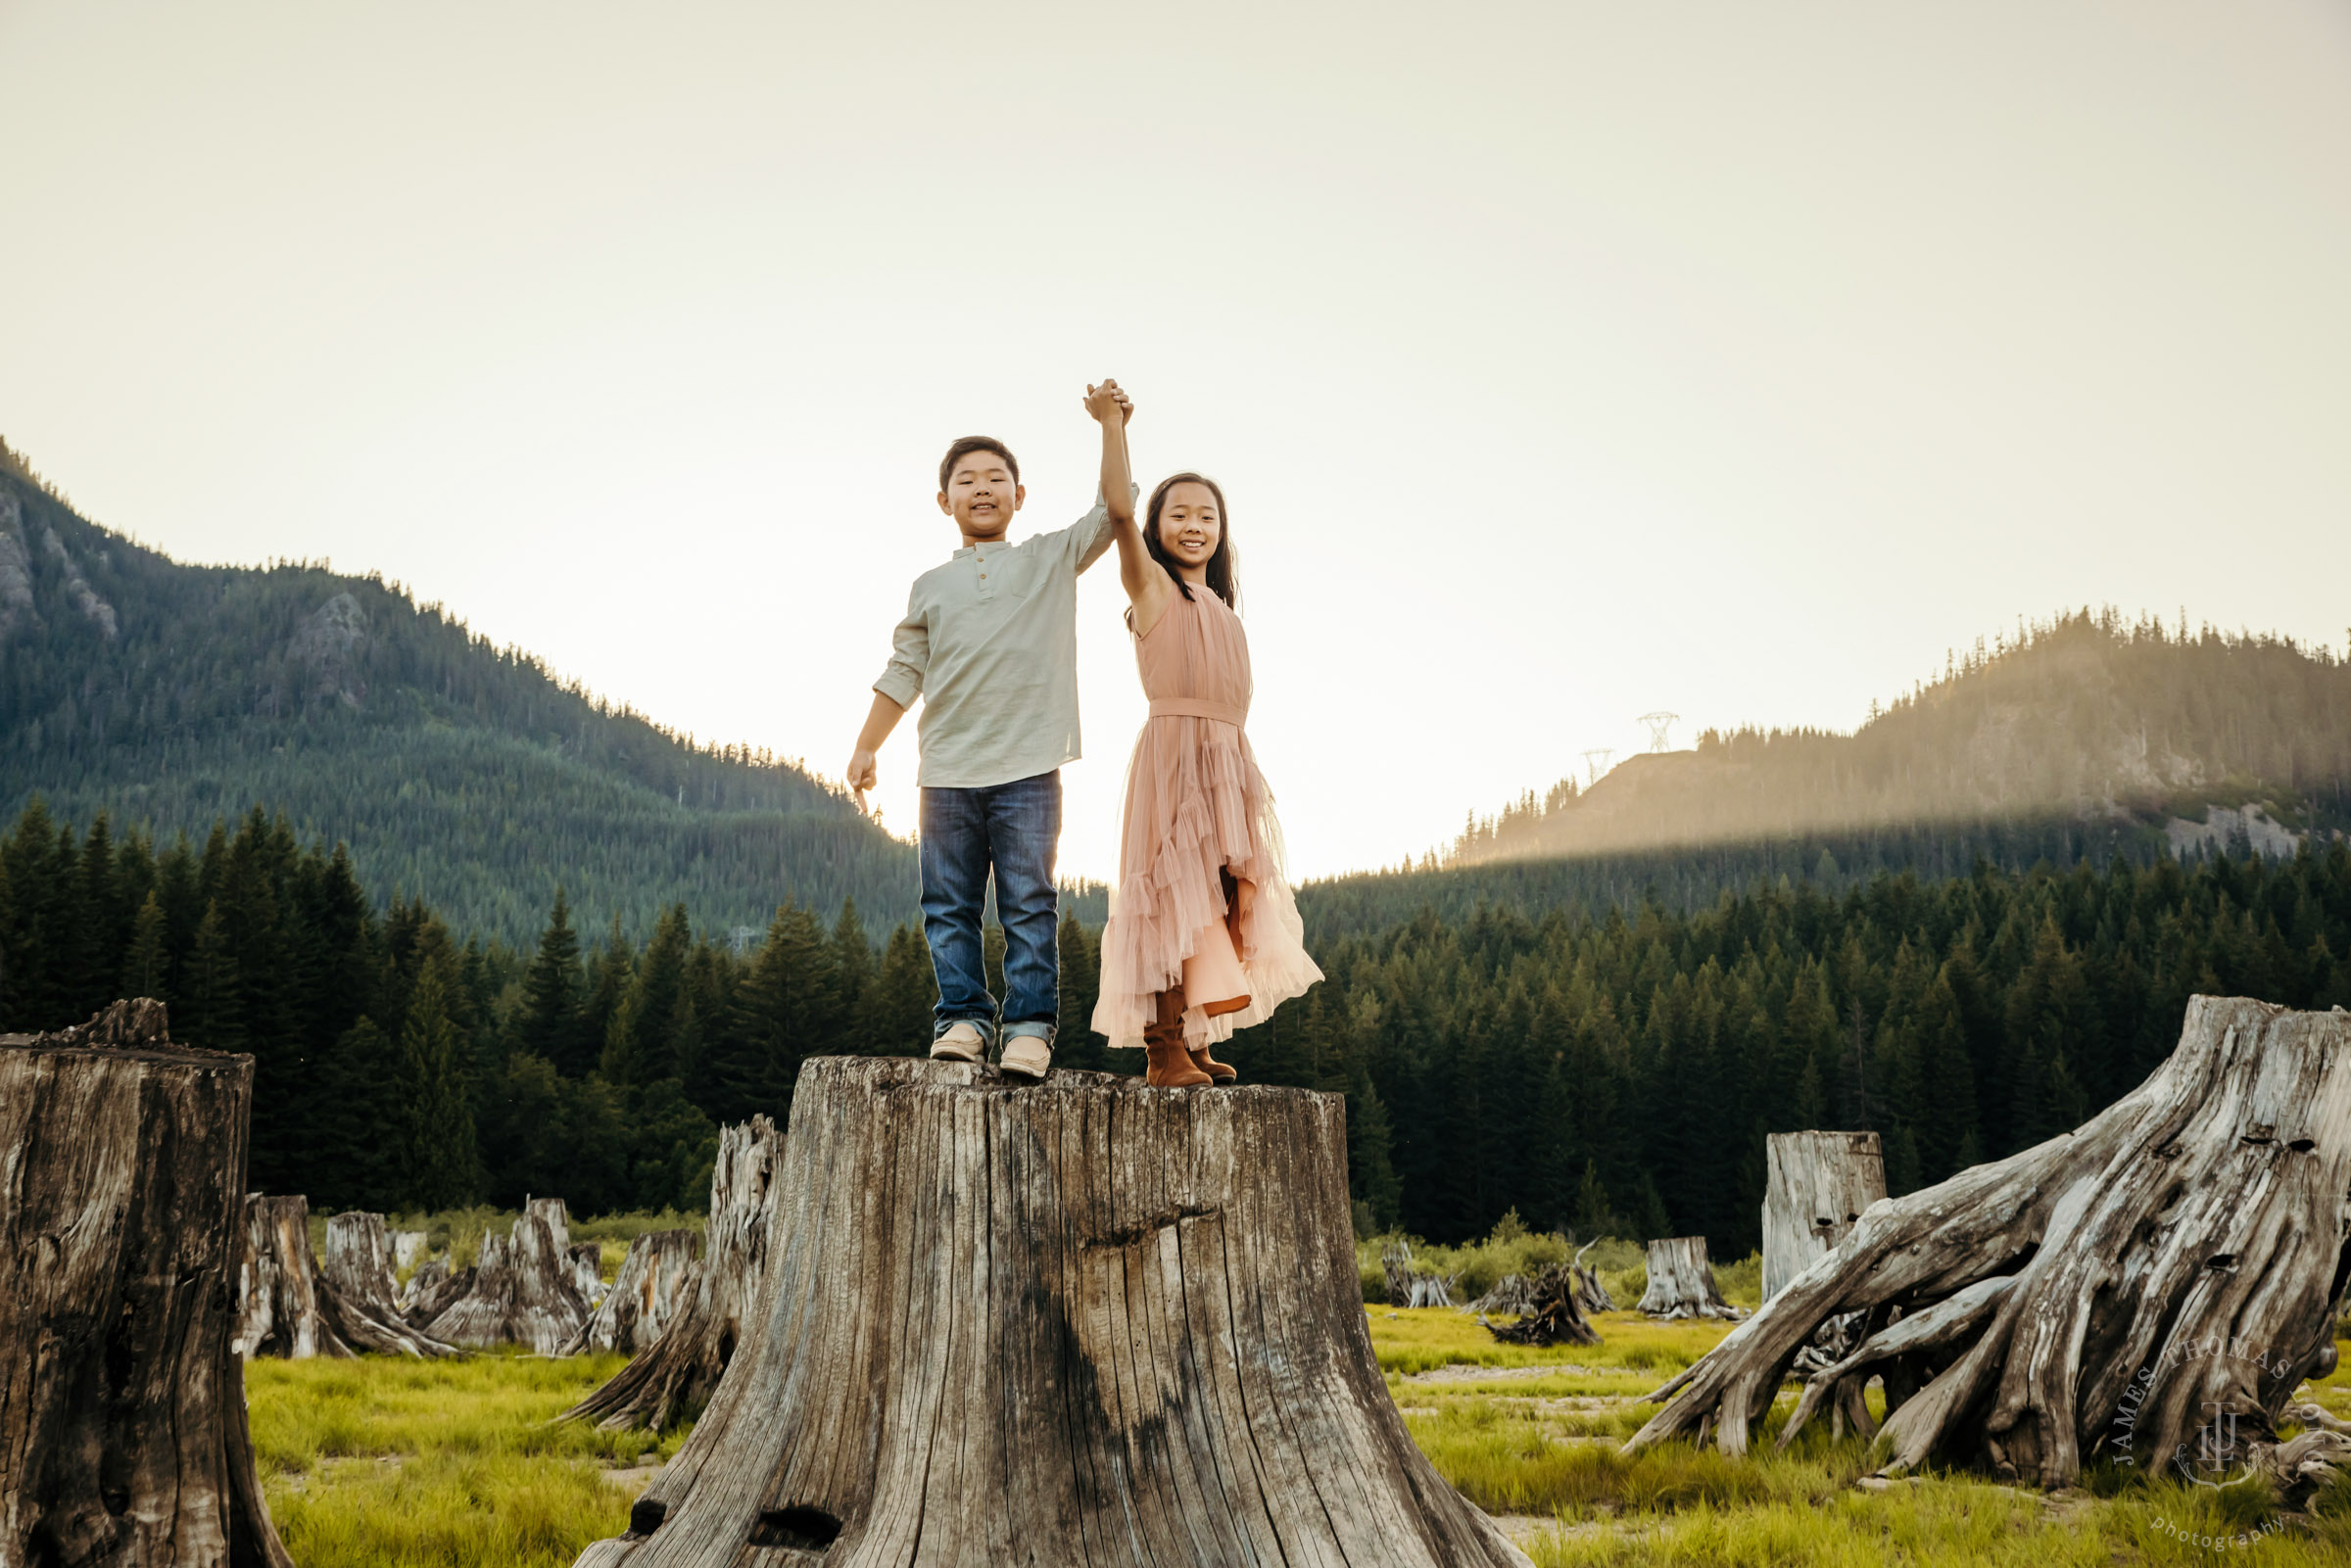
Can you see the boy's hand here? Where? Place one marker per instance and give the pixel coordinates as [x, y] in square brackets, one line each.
[1107, 402]
[862, 773]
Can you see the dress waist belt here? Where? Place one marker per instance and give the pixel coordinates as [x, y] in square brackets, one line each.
[1197, 708]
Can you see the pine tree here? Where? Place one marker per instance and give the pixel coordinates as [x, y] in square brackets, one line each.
[638, 1047]
[787, 1010]
[212, 991]
[436, 1150]
[898, 1004]
[549, 1021]
[854, 976]
[146, 968]
[1076, 1044]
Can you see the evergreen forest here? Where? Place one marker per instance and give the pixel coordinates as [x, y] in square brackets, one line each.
[1592, 1069]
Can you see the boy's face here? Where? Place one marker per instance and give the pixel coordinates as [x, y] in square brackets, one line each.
[981, 495]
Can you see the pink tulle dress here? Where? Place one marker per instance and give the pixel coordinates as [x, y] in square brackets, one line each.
[1199, 821]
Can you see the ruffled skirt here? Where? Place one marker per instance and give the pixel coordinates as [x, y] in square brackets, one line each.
[1197, 807]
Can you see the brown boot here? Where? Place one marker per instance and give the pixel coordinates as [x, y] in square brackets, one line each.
[1220, 1071]
[1170, 1066]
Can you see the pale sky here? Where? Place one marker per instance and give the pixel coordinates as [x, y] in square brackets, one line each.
[1561, 362]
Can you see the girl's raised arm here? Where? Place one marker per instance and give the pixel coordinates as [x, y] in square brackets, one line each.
[1145, 583]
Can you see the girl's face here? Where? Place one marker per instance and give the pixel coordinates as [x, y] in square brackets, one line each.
[1189, 526]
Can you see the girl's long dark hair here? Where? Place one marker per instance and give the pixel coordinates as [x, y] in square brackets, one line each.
[1224, 569]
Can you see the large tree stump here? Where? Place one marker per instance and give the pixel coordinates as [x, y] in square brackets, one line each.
[1818, 1184]
[1680, 1282]
[524, 1289]
[646, 1297]
[2182, 1254]
[1084, 1323]
[123, 1436]
[280, 1308]
[673, 1380]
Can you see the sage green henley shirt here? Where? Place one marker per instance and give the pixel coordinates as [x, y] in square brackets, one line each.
[989, 643]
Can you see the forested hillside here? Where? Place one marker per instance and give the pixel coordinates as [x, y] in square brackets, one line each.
[176, 696]
[1606, 1074]
[2128, 730]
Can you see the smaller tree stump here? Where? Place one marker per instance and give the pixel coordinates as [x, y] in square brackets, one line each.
[647, 1296]
[1409, 1284]
[1680, 1282]
[1590, 1294]
[1552, 1314]
[359, 1260]
[523, 1290]
[123, 1433]
[1818, 1185]
[674, 1379]
[280, 1313]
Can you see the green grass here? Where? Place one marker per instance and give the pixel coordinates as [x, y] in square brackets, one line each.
[384, 1462]
[389, 1463]
[1424, 1339]
[1546, 1445]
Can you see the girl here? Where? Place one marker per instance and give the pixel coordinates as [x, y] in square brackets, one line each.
[1204, 935]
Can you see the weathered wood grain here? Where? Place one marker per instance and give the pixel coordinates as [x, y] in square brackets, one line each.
[651, 1288]
[1085, 1322]
[123, 1439]
[673, 1380]
[358, 1295]
[1816, 1186]
[2183, 1251]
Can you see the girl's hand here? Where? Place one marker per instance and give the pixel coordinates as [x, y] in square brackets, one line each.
[1107, 402]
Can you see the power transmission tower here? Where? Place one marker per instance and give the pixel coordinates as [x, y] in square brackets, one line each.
[1658, 722]
[1595, 763]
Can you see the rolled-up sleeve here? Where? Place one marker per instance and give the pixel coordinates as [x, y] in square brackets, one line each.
[902, 680]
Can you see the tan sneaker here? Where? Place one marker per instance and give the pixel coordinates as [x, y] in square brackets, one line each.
[1025, 1055]
[963, 1041]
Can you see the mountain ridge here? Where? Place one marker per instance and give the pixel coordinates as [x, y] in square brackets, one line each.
[174, 695]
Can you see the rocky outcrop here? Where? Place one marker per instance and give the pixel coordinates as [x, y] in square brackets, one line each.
[16, 569]
[97, 611]
[2226, 828]
[325, 654]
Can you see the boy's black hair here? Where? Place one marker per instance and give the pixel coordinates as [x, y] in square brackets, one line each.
[1224, 568]
[965, 445]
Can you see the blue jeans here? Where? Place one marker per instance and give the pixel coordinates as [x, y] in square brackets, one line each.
[1015, 829]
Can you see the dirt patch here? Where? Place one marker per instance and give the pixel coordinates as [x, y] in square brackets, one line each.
[633, 1477]
[1502, 1374]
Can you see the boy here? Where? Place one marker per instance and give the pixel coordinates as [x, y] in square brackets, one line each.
[990, 642]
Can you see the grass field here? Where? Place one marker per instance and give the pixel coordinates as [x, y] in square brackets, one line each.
[383, 1463]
